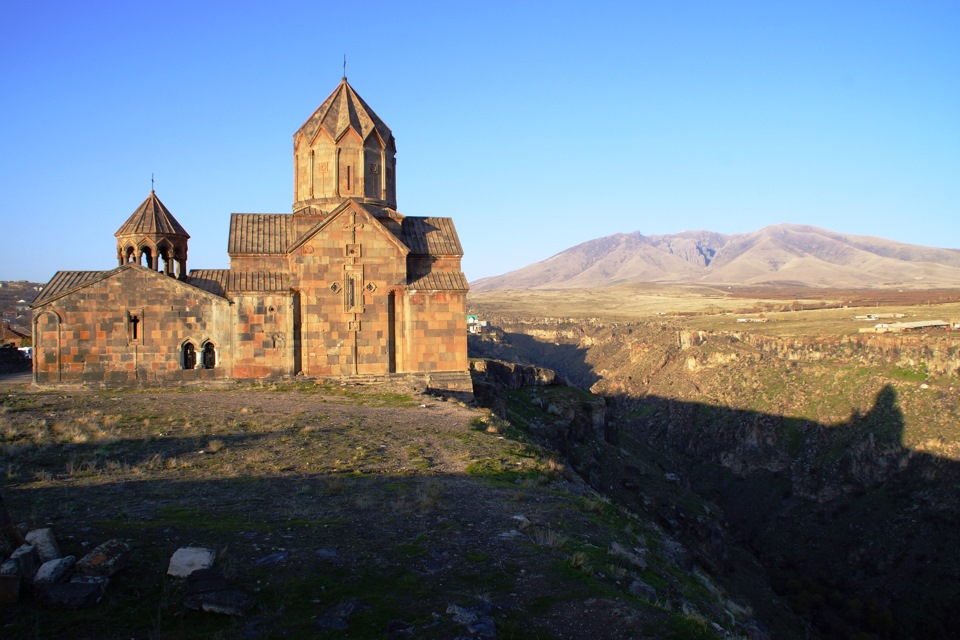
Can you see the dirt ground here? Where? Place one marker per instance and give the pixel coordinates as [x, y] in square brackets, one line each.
[345, 511]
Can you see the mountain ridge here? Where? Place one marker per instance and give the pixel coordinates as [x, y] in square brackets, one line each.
[781, 254]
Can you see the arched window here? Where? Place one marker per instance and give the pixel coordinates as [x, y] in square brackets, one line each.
[209, 356]
[189, 355]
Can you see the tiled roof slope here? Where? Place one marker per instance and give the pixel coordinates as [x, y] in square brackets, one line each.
[260, 233]
[63, 281]
[152, 218]
[431, 236]
[441, 281]
[344, 109]
[220, 281]
[258, 281]
[210, 280]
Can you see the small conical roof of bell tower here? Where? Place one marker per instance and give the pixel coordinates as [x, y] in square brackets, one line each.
[151, 218]
[342, 110]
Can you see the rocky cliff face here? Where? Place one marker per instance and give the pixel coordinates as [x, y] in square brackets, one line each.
[834, 459]
[692, 536]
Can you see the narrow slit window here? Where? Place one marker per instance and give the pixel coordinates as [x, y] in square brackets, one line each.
[353, 289]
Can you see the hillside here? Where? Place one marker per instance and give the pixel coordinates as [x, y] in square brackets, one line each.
[351, 512]
[15, 297]
[783, 254]
[832, 455]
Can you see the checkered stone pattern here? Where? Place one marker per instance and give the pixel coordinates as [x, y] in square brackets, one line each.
[130, 328]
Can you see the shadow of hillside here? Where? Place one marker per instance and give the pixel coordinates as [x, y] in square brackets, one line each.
[568, 360]
[860, 533]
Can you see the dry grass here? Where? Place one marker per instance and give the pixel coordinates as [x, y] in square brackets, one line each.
[717, 309]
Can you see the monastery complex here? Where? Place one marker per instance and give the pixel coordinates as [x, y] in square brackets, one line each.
[344, 286]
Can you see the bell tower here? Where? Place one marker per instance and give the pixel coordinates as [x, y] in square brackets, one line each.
[344, 150]
[152, 236]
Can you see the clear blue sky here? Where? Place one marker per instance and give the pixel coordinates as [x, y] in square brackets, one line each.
[535, 125]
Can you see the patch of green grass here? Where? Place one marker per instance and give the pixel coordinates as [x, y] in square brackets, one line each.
[792, 434]
[686, 628]
[499, 470]
[909, 375]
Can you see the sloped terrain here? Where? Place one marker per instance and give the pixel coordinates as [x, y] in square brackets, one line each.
[832, 455]
[784, 254]
[345, 513]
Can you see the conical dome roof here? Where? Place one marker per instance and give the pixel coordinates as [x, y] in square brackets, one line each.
[151, 218]
[344, 109]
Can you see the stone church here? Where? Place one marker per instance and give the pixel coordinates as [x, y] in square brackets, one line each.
[343, 287]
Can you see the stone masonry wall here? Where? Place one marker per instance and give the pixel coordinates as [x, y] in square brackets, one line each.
[339, 338]
[263, 335]
[434, 331]
[130, 328]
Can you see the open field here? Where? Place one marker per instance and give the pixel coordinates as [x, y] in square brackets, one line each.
[789, 312]
[345, 512]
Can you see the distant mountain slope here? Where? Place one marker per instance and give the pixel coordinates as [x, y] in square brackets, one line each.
[785, 254]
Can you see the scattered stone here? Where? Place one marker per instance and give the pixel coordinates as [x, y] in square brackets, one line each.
[53, 571]
[337, 618]
[75, 594]
[186, 560]
[26, 556]
[619, 551]
[45, 543]
[273, 557]
[326, 554]
[10, 579]
[83, 579]
[208, 590]
[640, 588]
[672, 477]
[476, 619]
[106, 560]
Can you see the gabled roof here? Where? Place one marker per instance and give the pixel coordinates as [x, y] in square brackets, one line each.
[151, 218]
[431, 236]
[342, 110]
[65, 282]
[350, 205]
[6, 331]
[261, 233]
[441, 281]
[220, 281]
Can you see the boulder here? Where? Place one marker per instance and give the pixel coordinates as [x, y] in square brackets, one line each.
[53, 571]
[76, 594]
[45, 543]
[208, 590]
[26, 556]
[10, 579]
[107, 559]
[186, 560]
[640, 588]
